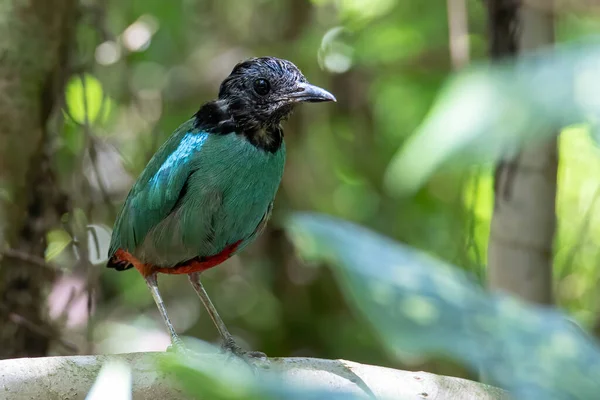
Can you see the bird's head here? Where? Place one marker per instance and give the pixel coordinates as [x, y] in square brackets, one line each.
[261, 92]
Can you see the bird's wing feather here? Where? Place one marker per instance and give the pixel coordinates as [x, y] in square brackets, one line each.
[158, 189]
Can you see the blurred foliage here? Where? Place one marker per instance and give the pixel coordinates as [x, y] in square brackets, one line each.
[422, 306]
[210, 378]
[146, 66]
[491, 111]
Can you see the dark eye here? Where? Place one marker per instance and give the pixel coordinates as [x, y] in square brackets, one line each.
[262, 86]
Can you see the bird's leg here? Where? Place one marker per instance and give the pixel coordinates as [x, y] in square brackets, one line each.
[152, 283]
[228, 341]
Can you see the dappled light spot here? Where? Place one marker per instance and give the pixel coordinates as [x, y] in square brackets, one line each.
[419, 309]
[402, 277]
[564, 345]
[138, 35]
[334, 55]
[337, 62]
[381, 293]
[108, 53]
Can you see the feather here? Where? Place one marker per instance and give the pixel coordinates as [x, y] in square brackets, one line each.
[199, 193]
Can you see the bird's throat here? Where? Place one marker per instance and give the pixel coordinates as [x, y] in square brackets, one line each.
[218, 117]
[267, 138]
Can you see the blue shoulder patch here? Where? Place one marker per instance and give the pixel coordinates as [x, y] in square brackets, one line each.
[191, 143]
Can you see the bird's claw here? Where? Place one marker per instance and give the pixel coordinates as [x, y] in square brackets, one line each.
[178, 347]
[251, 358]
[231, 347]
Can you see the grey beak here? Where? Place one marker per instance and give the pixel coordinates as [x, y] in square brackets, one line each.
[310, 93]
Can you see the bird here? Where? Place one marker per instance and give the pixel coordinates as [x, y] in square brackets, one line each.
[208, 191]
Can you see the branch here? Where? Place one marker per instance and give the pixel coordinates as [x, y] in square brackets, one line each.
[71, 377]
[29, 259]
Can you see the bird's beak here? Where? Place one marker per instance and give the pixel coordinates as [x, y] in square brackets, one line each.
[305, 92]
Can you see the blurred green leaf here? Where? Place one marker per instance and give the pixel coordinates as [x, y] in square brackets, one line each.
[57, 240]
[228, 379]
[94, 98]
[490, 111]
[422, 306]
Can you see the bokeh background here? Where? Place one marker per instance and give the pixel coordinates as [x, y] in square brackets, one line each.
[147, 66]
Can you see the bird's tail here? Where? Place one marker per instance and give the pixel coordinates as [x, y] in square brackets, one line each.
[118, 263]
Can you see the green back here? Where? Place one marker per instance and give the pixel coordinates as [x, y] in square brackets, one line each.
[199, 193]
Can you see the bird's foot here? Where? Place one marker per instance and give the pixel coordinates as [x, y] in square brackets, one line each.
[178, 347]
[253, 359]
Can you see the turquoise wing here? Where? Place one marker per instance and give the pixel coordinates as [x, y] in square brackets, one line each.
[158, 189]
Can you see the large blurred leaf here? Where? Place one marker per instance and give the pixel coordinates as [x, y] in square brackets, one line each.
[490, 111]
[425, 307]
[206, 377]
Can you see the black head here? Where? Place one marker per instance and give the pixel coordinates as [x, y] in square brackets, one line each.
[261, 92]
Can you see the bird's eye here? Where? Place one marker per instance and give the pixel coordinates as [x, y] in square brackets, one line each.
[262, 86]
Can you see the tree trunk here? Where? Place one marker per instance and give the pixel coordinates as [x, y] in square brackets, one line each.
[34, 42]
[524, 219]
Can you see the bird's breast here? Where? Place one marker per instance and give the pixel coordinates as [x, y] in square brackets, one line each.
[237, 182]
